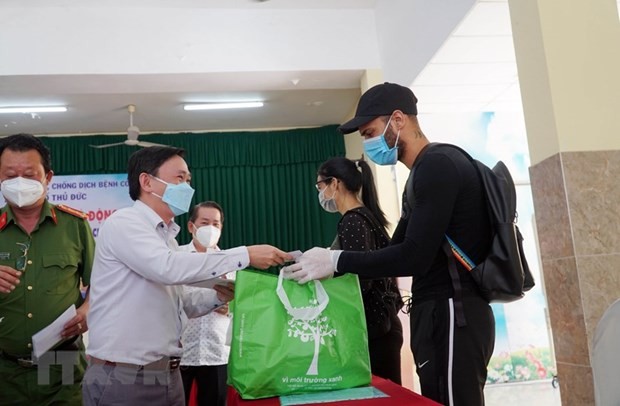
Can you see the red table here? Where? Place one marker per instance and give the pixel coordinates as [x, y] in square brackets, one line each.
[397, 396]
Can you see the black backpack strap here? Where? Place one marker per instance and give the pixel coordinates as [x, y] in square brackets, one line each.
[409, 199]
[459, 312]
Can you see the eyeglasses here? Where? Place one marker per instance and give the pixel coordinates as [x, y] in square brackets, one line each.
[326, 181]
[20, 262]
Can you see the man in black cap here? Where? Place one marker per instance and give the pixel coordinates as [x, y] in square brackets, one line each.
[443, 197]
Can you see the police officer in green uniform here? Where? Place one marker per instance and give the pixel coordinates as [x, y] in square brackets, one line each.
[46, 251]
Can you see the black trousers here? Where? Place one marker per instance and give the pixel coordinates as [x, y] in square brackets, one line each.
[451, 361]
[385, 352]
[210, 382]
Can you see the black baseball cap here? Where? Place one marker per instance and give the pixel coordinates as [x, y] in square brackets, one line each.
[381, 100]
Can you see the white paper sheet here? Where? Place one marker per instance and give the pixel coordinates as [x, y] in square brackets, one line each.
[210, 283]
[49, 336]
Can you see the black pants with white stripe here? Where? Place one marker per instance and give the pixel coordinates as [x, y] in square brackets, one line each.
[452, 361]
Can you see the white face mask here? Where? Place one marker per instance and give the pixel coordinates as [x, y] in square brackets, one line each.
[208, 236]
[21, 191]
[328, 204]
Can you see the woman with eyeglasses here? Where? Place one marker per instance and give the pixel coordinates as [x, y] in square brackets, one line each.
[348, 187]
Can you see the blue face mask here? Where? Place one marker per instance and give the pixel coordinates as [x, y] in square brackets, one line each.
[178, 197]
[377, 149]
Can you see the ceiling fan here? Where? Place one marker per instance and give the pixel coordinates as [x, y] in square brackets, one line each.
[132, 135]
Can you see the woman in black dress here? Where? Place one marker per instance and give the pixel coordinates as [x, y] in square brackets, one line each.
[348, 187]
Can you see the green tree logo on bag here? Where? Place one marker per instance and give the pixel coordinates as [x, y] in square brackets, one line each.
[305, 322]
[312, 330]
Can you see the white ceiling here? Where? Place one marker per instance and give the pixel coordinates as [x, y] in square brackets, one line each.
[158, 55]
[304, 58]
[475, 69]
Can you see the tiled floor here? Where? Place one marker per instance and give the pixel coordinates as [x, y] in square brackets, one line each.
[538, 393]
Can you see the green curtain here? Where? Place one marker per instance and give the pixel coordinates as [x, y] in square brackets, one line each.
[263, 180]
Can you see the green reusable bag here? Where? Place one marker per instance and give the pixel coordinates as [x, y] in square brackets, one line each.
[290, 338]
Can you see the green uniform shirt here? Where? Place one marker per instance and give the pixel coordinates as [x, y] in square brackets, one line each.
[57, 253]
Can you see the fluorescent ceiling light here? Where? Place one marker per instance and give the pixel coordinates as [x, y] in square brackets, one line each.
[34, 109]
[219, 106]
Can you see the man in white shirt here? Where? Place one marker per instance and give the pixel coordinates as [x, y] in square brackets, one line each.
[138, 307]
[205, 353]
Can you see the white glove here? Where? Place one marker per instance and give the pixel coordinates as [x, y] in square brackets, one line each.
[313, 264]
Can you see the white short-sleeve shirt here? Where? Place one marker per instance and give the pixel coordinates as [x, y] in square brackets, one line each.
[204, 338]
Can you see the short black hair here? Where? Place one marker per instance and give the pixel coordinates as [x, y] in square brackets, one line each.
[26, 142]
[147, 160]
[194, 215]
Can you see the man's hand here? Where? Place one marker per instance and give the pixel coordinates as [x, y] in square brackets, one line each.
[313, 264]
[264, 256]
[225, 293]
[223, 310]
[9, 277]
[77, 325]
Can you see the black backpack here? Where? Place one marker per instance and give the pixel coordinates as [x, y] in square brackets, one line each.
[504, 275]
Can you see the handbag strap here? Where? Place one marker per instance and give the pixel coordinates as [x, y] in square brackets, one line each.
[303, 313]
[378, 231]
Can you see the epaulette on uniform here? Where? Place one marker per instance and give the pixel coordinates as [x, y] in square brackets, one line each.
[72, 211]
